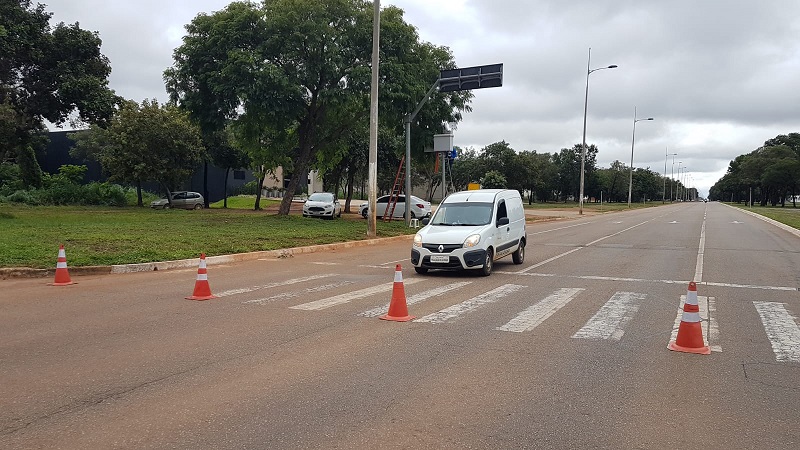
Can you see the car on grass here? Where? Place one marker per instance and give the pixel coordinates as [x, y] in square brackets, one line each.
[470, 231]
[419, 207]
[322, 204]
[181, 200]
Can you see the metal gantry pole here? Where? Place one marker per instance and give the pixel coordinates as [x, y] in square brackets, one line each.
[372, 227]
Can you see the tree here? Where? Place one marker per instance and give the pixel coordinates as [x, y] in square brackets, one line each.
[147, 142]
[297, 74]
[48, 74]
[494, 180]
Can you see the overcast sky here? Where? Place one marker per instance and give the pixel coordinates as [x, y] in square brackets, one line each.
[719, 77]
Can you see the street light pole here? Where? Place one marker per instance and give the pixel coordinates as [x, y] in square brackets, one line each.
[664, 194]
[585, 109]
[672, 177]
[633, 139]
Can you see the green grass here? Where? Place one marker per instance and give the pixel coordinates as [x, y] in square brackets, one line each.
[787, 215]
[30, 236]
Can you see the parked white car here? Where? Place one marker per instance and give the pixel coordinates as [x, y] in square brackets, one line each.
[180, 200]
[419, 207]
[322, 204]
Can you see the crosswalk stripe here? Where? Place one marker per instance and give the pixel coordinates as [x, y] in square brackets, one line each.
[609, 322]
[707, 323]
[346, 297]
[285, 295]
[534, 315]
[782, 330]
[272, 285]
[472, 304]
[416, 298]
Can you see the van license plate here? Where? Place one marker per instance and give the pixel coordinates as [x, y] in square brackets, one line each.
[440, 258]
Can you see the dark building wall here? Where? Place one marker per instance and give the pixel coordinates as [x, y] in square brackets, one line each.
[57, 154]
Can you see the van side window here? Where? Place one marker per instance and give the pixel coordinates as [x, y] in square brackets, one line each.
[501, 211]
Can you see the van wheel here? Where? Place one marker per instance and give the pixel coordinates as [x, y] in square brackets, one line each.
[421, 270]
[488, 264]
[519, 255]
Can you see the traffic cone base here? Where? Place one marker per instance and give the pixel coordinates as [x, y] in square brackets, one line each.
[62, 274]
[398, 309]
[690, 330]
[202, 291]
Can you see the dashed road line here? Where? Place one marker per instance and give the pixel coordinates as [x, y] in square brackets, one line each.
[285, 295]
[534, 315]
[470, 305]
[276, 284]
[782, 330]
[345, 298]
[416, 298]
[610, 320]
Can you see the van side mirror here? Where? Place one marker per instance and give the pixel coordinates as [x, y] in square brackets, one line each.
[426, 221]
[503, 221]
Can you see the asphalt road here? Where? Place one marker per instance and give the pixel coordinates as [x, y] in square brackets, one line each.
[568, 350]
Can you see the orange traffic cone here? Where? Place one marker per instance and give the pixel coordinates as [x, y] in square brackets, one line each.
[398, 310]
[62, 274]
[690, 331]
[202, 291]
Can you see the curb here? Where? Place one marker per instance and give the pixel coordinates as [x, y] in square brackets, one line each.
[25, 272]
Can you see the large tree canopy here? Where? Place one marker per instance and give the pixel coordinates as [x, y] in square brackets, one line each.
[295, 74]
[48, 74]
[144, 142]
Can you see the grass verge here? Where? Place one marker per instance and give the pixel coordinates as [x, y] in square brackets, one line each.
[30, 236]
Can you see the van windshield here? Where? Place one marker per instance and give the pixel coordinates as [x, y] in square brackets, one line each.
[463, 214]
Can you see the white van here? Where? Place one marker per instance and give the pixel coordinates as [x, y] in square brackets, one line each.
[470, 230]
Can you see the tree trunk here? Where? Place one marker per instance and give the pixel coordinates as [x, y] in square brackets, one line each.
[205, 184]
[351, 176]
[139, 201]
[261, 176]
[225, 189]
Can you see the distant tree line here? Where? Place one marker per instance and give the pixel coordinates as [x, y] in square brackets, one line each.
[769, 175]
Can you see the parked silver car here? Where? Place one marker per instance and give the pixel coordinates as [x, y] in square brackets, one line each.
[322, 204]
[419, 207]
[181, 200]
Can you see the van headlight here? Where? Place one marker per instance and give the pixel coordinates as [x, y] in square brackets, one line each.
[417, 240]
[472, 241]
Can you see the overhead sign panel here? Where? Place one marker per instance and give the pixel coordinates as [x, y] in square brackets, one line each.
[467, 78]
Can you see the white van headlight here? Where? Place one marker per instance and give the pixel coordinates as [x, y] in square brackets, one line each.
[472, 241]
[417, 240]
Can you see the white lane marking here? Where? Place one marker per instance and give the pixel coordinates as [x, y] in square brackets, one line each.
[345, 298]
[609, 322]
[643, 280]
[416, 298]
[674, 221]
[782, 330]
[737, 222]
[698, 270]
[472, 304]
[615, 245]
[322, 263]
[709, 326]
[561, 228]
[535, 314]
[272, 285]
[576, 249]
[285, 295]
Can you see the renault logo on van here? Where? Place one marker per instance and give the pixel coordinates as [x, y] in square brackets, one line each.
[441, 248]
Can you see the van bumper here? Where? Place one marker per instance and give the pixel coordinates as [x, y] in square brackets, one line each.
[457, 259]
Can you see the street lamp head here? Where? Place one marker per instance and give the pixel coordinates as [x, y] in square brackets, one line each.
[649, 118]
[613, 66]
